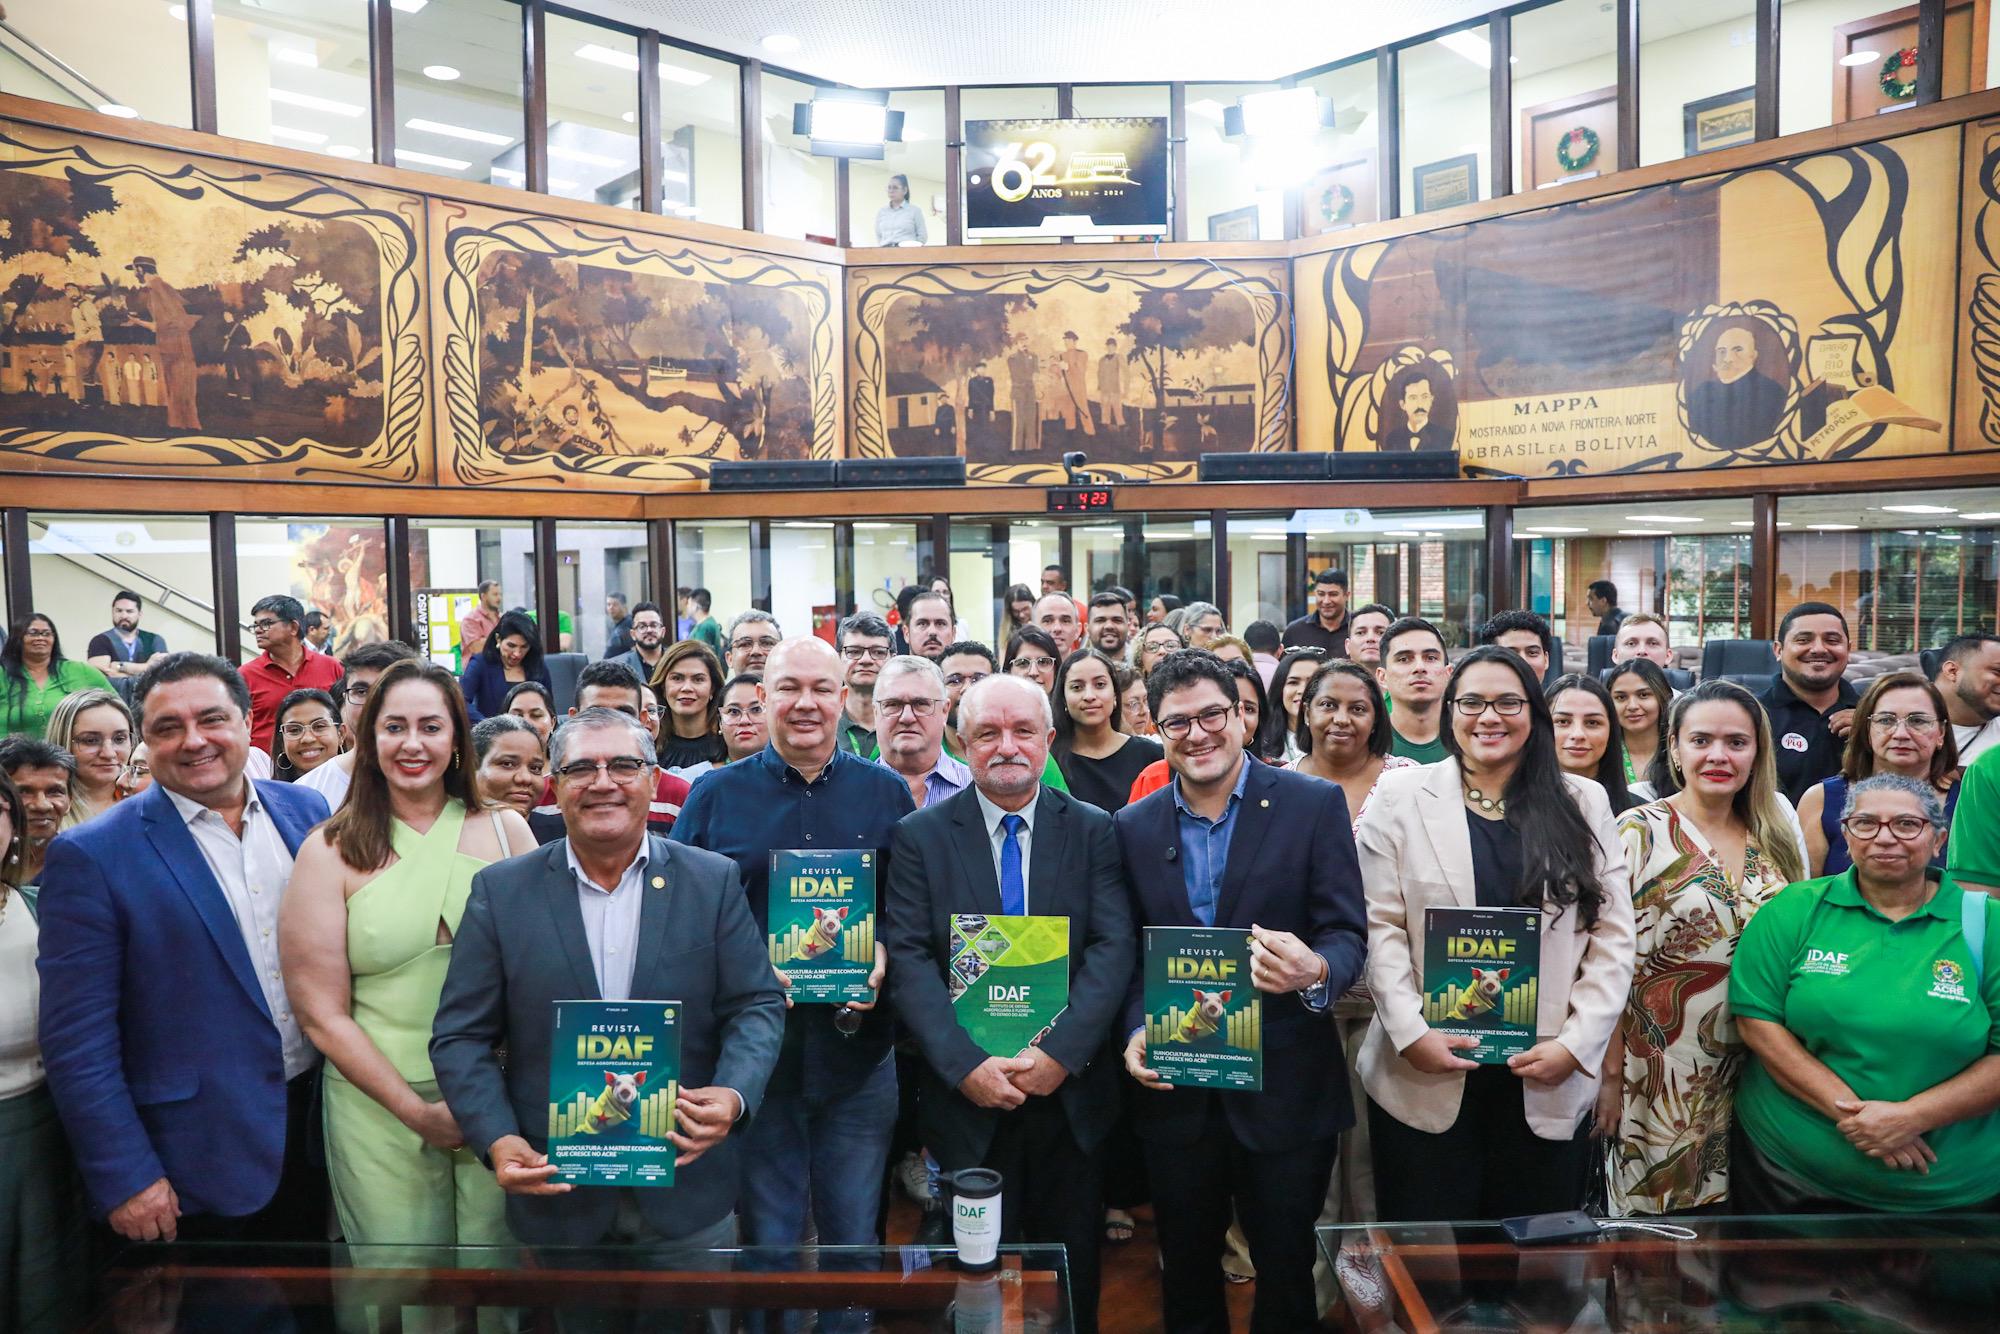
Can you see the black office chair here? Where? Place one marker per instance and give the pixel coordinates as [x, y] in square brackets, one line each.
[1750, 681]
[1680, 678]
[1599, 660]
[1932, 659]
[564, 668]
[1731, 658]
[1555, 659]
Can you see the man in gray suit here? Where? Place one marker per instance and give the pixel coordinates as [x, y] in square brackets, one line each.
[608, 913]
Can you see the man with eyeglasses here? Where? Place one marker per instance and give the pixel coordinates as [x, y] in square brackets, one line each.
[821, 1141]
[361, 666]
[613, 912]
[864, 640]
[752, 636]
[284, 665]
[909, 729]
[612, 686]
[965, 664]
[1233, 843]
[648, 629]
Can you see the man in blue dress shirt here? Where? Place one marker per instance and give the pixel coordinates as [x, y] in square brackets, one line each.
[822, 1135]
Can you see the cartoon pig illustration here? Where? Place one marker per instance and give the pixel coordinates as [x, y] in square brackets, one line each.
[1482, 995]
[1206, 1016]
[825, 934]
[613, 1107]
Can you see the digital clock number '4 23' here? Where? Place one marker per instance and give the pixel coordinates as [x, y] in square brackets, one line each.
[1023, 168]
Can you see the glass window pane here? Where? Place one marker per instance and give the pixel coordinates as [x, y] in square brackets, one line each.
[593, 561]
[1446, 118]
[1565, 92]
[1428, 563]
[918, 159]
[1176, 555]
[1909, 569]
[1697, 77]
[458, 91]
[1006, 104]
[715, 555]
[1259, 589]
[78, 562]
[798, 187]
[802, 592]
[701, 137]
[1687, 561]
[593, 112]
[885, 559]
[972, 562]
[449, 559]
[1343, 188]
[335, 567]
[1118, 99]
[1843, 59]
[120, 57]
[294, 75]
[1226, 198]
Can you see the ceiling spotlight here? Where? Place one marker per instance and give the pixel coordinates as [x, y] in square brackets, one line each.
[118, 109]
[1921, 509]
[442, 73]
[781, 43]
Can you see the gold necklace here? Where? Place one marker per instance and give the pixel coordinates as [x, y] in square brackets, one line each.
[1495, 805]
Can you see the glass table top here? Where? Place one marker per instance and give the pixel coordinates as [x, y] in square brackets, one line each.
[1794, 1272]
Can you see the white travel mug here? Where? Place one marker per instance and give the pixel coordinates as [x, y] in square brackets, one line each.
[975, 1216]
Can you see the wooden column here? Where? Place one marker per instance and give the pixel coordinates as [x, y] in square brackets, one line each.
[1930, 50]
[1500, 112]
[548, 609]
[1218, 537]
[1177, 140]
[201, 64]
[751, 123]
[1628, 84]
[1766, 115]
[954, 170]
[664, 580]
[843, 569]
[1499, 558]
[396, 556]
[650, 161]
[760, 566]
[535, 95]
[382, 80]
[1764, 565]
[1295, 577]
[14, 548]
[841, 198]
[940, 526]
[222, 576]
[1389, 123]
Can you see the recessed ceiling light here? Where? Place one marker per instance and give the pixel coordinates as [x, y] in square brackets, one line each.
[117, 109]
[296, 55]
[409, 6]
[313, 137]
[178, 11]
[1949, 537]
[1853, 58]
[1387, 532]
[781, 43]
[629, 117]
[431, 160]
[1833, 527]
[1921, 509]
[1470, 45]
[344, 150]
[1644, 532]
[1660, 518]
[450, 131]
[608, 55]
[286, 97]
[690, 78]
[1983, 516]
[587, 159]
[1551, 530]
[442, 73]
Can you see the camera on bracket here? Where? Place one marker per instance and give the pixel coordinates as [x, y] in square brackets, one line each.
[1073, 468]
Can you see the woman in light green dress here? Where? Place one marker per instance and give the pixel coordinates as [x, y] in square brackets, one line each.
[366, 934]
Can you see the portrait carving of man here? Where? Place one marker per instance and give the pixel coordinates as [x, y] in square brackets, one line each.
[1419, 409]
[1741, 405]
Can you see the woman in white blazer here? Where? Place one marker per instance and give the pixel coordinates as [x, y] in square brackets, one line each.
[1495, 824]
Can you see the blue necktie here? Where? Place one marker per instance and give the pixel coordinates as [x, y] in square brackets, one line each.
[1013, 889]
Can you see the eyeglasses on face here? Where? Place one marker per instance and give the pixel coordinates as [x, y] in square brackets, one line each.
[922, 708]
[739, 713]
[317, 727]
[38, 632]
[624, 769]
[1905, 828]
[1889, 722]
[1214, 719]
[767, 643]
[1022, 666]
[1507, 706]
[857, 652]
[265, 623]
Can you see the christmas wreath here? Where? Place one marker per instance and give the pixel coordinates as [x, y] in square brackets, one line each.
[1577, 149]
[1335, 203]
[1899, 75]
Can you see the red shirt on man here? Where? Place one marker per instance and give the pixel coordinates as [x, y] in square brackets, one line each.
[269, 684]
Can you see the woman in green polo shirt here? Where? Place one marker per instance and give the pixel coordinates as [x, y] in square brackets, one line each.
[35, 676]
[1873, 1015]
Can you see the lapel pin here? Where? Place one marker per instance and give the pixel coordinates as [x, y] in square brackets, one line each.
[1266, 803]
[659, 882]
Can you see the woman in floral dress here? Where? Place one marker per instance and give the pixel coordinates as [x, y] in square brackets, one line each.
[1703, 862]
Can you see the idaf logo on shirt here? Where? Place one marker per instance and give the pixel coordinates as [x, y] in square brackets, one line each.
[1825, 963]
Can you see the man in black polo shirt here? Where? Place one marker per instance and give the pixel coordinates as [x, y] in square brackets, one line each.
[1602, 600]
[1325, 626]
[1811, 705]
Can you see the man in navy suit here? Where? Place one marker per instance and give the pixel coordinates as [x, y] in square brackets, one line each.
[180, 1073]
[1231, 842]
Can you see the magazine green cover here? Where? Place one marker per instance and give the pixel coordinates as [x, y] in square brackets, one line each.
[821, 926]
[1009, 978]
[1480, 977]
[1204, 1021]
[614, 1072]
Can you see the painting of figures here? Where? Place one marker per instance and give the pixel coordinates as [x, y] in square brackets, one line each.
[575, 354]
[163, 313]
[1144, 367]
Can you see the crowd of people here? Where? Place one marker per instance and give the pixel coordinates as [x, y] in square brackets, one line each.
[242, 904]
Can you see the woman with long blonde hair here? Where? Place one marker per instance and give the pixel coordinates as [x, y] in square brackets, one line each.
[96, 727]
[1703, 862]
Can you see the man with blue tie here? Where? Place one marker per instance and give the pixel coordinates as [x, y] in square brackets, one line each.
[1012, 846]
[1234, 843]
[182, 1077]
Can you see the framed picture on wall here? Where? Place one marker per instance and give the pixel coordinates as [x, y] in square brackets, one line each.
[1448, 181]
[1238, 224]
[1721, 121]
[1338, 196]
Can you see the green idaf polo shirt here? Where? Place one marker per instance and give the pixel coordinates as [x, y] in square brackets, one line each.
[1890, 1007]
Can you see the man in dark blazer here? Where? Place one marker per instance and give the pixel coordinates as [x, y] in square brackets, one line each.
[1038, 1116]
[183, 1080]
[1231, 842]
[560, 923]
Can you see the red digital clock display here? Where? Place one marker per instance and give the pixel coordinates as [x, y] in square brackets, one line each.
[1079, 499]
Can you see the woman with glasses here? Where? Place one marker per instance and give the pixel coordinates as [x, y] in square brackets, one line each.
[744, 729]
[1134, 709]
[1900, 727]
[1704, 862]
[365, 937]
[1032, 652]
[1495, 824]
[1283, 728]
[307, 736]
[512, 654]
[96, 728]
[136, 776]
[1589, 742]
[1868, 1001]
[513, 764]
[1156, 642]
[534, 704]
[35, 676]
[1098, 758]
[1641, 695]
[688, 680]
